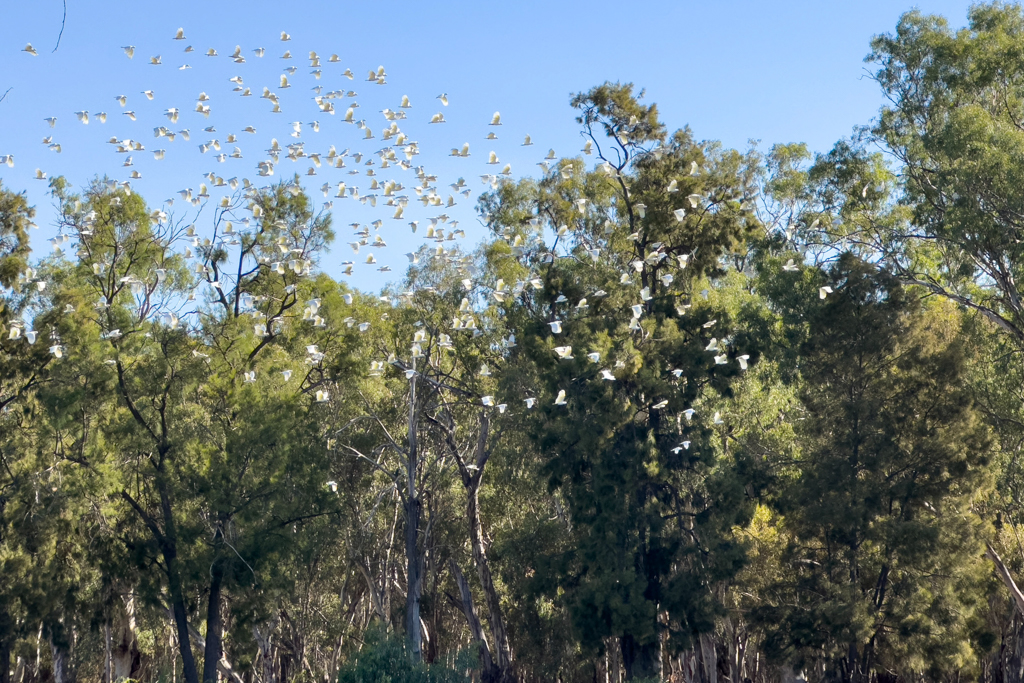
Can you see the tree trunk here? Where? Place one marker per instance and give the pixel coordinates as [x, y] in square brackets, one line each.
[737, 642]
[414, 565]
[108, 663]
[214, 625]
[265, 643]
[38, 668]
[223, 665]
[413, 508]
[375, 597]
[168, 542]
[125, 657]
[188, 662]
[616, 660]
[708, 658]
[501, 651]
[640, 660]
[434, 630]
[1014, 663]
[5, 660]
[475, 630]
[63, 672]
[170, 553]
[787, 674]
[6, 643]
[1004, 574]
[853, 672]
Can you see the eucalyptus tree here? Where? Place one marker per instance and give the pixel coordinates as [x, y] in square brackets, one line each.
[206, 398]
[437, 350]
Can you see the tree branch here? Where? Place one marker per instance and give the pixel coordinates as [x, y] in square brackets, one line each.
[62, 22]
[146, 518]
[131, 404]
[1004, 574]
[985, 311]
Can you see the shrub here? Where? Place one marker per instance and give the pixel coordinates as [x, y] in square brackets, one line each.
[384, 658]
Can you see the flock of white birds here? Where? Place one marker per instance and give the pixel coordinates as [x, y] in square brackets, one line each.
[372, 178]
[374, 175]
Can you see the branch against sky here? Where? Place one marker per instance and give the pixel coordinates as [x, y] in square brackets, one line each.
[63, 21]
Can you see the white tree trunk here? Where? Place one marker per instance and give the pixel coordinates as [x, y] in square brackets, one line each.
[124, 646]
[265, 643]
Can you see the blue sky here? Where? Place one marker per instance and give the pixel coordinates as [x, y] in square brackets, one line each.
[733, 71]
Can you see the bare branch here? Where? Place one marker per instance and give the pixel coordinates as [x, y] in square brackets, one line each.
[1004, 574]
[964, 301]
[376, 465]
[62, 22]
[391, 440]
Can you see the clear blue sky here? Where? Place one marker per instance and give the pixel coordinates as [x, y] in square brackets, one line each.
[733, 71]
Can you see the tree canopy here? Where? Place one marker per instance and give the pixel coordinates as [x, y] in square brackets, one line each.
[685, 412]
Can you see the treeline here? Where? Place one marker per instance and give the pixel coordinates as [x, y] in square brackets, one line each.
[692, 412]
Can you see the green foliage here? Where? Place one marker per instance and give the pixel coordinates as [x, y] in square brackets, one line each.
[15, 218]
[651, 517]
[385, 658]
[773, 446]
[884, 557]
[952, 126]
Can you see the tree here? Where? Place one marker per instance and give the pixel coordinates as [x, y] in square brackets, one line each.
[430, 400]
[651, 494]
[952, 126]
[883, 566]
[944, 215]
[22, 365]
[211, 474]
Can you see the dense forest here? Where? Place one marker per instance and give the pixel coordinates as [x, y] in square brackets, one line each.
[688, 413]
